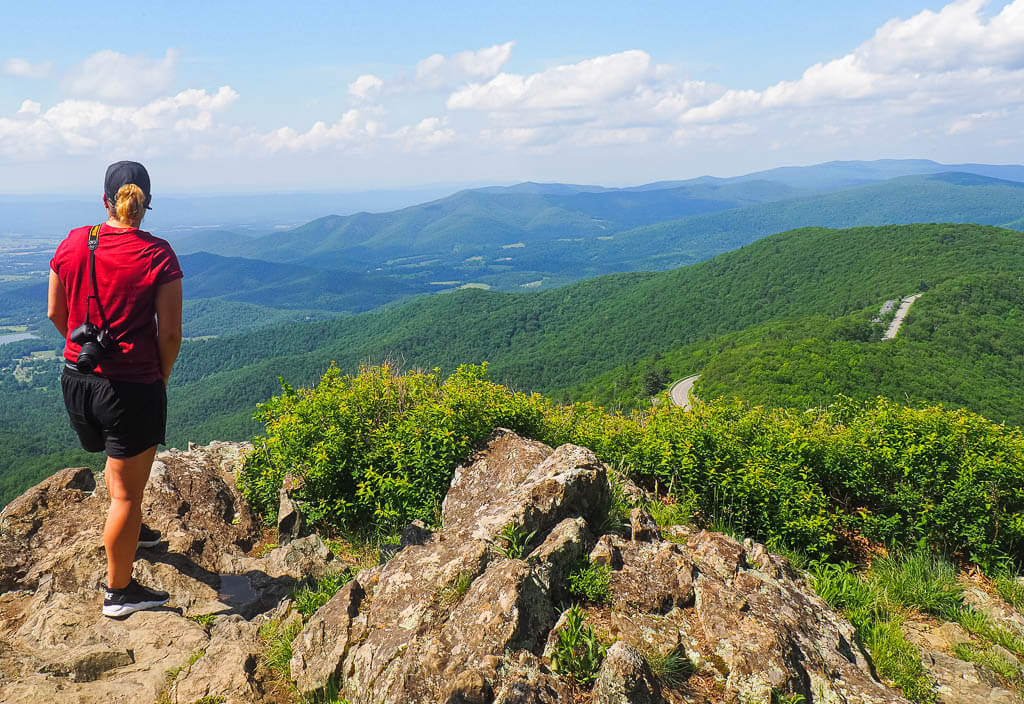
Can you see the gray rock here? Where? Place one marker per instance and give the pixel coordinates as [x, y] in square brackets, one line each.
[415, 533]
[290, 522]
[625, 678]
[452, 604]
[642, 526]
[55, 645]
[227, 668]
[608, 552]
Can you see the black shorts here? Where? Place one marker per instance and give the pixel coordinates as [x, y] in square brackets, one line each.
[122, 418]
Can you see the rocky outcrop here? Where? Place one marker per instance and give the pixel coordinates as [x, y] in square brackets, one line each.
[55, 645]
[411, 629]
[470, 612]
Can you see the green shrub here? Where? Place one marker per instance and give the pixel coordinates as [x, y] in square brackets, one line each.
[592, 583]
[379, 449]
[578, 651]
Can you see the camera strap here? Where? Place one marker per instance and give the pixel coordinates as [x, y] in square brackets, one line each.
[94, 242]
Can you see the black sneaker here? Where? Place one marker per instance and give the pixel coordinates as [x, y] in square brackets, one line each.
[135, 597]
[148, 538]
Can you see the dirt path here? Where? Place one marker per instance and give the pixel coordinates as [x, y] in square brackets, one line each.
[894, 326]
[682, 392]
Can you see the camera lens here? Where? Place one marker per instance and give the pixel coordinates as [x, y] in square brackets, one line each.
[89, 356]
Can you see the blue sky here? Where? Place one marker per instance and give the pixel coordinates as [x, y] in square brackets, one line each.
[257, 96]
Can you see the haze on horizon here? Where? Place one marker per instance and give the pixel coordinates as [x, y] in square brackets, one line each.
[247, 97]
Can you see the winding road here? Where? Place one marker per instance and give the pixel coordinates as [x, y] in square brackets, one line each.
[682, 392]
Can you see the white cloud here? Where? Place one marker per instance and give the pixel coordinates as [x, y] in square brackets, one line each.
[428, 133]
[929, 60]
[111, 77]
[354, 128]
[570, 86]
[22, 68]
[439, 71]
[86, 126]
[512, 137]
[970, 122]
[365, 87]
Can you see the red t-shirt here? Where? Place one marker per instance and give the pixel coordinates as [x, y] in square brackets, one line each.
[130, 265]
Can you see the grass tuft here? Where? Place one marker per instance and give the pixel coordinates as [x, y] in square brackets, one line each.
[513, 542]
[453, 591]
[878, 620]
[1008, 585]
[615, 517]
[978, 623]
[314, 595]
[278, 638]
[673, 667]
[920, 580]
[989, 658]
[592, 582]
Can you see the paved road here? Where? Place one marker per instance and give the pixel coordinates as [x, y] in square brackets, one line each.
[682, 392]
[894, 326]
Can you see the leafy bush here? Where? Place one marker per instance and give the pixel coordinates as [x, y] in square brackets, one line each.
[578, 651]
[591, 583]
[377, 450]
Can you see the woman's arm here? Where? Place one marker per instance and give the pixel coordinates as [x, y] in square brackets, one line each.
[168, 325]
[57, 304]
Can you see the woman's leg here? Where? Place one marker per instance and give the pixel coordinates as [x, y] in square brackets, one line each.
[126, 480]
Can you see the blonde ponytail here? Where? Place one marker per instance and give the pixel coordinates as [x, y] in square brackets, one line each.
[130, 204]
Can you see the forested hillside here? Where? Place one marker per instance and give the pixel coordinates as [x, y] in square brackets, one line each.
[561, 338]
[555, 339]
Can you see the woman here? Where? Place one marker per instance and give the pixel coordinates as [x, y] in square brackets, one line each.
[107, 284]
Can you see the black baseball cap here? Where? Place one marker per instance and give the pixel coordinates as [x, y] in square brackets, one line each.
[123, 172]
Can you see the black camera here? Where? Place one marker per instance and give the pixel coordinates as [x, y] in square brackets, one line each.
[95, 343]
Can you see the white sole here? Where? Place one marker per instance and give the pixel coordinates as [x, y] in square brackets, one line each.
[119, 610]
[149, 543]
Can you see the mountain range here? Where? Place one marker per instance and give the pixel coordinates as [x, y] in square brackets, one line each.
[596, 293]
